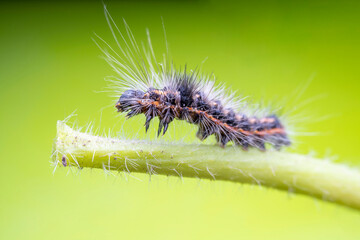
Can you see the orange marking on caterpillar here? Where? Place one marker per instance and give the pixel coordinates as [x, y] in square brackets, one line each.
[160, 108]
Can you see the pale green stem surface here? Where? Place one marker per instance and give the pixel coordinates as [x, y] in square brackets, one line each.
[280, 170]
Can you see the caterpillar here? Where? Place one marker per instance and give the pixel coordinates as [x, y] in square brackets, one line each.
[158, 89]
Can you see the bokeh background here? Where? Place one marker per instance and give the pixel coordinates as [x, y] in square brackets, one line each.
[49, 67]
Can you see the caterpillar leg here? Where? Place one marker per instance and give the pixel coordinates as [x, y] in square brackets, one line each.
[168, 117]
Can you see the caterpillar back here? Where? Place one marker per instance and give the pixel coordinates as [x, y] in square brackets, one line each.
[145, 86]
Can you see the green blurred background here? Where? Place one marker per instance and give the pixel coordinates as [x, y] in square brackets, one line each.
[49, 67]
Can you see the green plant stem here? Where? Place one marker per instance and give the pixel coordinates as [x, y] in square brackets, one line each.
[280, 170]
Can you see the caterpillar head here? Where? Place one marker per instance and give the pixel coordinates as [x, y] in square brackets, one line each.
[128, 100]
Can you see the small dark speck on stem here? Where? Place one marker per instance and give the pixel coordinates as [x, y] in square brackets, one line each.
[63, 161]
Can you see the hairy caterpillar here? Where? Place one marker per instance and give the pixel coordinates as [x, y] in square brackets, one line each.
[145, 86]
